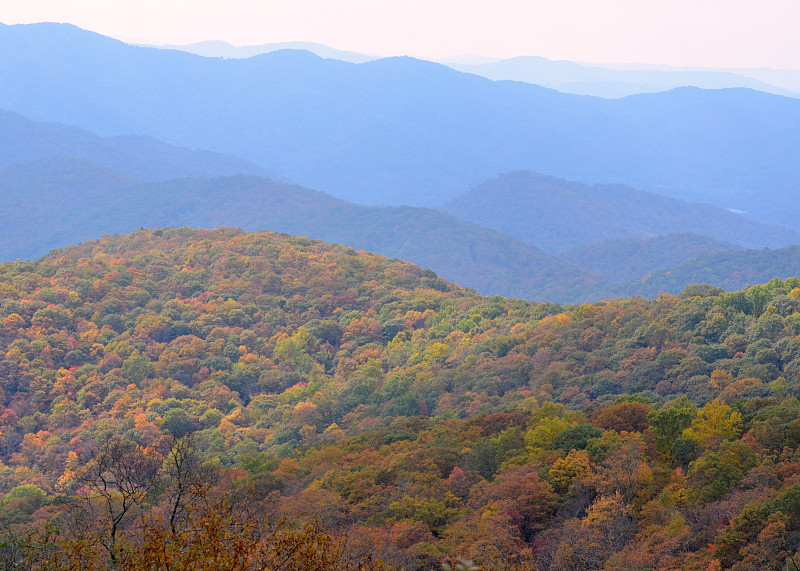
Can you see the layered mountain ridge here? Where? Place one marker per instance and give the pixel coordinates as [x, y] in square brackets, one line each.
[404, 131]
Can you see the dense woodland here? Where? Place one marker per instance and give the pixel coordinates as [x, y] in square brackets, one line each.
[179, 398]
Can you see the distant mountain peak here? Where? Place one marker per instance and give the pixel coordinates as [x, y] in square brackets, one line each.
[223, 49]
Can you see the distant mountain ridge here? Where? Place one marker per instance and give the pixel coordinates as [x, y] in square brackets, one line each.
[605, 81]
[139, 157]
[215, 48]
[597, 79]
[404, 131]
[557, 214]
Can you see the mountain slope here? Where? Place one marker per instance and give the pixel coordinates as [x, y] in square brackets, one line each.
[240, 381]
[400, 130]
[631, 258]
[80, 200]
[556, 214]
[727, 270]
[139, 157]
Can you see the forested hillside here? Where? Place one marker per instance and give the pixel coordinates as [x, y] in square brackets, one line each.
[260, 377]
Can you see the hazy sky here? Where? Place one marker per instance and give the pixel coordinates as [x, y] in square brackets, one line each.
[714, 33]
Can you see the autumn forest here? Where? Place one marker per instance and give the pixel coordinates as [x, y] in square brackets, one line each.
[214, 399]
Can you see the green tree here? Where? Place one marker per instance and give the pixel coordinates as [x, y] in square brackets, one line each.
[667, 424]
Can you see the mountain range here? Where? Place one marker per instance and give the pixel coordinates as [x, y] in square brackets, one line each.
[80, 200]
[139, 157]
[597, 79]
[404, 131]
[176, 388]
[226, 50]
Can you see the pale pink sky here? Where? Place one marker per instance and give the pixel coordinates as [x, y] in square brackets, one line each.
[713, 33]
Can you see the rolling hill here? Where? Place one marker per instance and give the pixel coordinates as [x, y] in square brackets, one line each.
[254, 400]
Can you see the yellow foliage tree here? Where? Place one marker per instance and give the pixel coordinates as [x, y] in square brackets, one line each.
[573, 468]
[715, 422]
